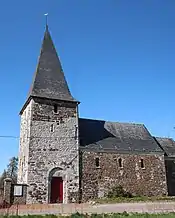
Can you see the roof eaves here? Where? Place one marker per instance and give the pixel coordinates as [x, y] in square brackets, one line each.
[121, 151]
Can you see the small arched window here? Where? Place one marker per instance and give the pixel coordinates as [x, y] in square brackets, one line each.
[120, 162]
[142, 163]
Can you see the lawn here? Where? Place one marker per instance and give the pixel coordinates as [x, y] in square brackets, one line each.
[124, 215]
[134, 199]
[118, 194]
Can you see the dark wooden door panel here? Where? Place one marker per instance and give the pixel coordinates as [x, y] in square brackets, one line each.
[56, 190]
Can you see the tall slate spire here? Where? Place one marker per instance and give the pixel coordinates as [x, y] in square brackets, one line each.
[49, 80]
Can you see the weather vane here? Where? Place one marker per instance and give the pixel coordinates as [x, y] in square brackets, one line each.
[46, 18]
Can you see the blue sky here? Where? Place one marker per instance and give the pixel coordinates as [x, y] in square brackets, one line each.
[118, 57]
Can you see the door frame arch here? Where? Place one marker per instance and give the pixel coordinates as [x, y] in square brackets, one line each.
[56, 172]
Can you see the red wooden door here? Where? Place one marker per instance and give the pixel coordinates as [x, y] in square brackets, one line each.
[56, 190]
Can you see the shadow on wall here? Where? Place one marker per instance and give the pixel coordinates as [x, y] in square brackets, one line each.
[170, 173]
[92, 131]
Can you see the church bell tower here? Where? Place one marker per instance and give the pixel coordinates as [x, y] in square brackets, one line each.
[48, 155]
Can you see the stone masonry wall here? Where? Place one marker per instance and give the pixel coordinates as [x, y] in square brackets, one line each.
[96, 181]
[53, 146]
[7, 190]
[24, 144]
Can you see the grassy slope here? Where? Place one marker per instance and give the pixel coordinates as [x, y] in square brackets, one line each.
[134, 199]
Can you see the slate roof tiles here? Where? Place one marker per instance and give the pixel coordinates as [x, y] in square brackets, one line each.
[49, 80]
[115, 136]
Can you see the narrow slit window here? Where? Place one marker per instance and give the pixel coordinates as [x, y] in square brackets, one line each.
[20, 163]
[55, 108]
[120, 162]
[22, 166]
[142, 163]
[52, 128]
[97, 162]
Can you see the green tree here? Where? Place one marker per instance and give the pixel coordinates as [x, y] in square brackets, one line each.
[12, 169]
[10, 172]
[2, 177]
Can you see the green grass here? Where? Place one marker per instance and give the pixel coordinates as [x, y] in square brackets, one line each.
[115, 215]
[133, 199]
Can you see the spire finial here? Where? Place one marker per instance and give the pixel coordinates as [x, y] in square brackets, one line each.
[46, 15]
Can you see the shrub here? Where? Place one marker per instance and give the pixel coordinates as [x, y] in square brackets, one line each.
[77, 215]
[94, 215]
[118, 191]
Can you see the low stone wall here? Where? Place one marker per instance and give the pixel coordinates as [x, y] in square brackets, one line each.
[68, 209]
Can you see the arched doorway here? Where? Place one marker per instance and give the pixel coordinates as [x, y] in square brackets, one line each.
[56, 186]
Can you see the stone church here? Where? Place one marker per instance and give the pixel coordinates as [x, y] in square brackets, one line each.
[64, 158]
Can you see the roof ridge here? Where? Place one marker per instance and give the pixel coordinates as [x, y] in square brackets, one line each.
[83, 118]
